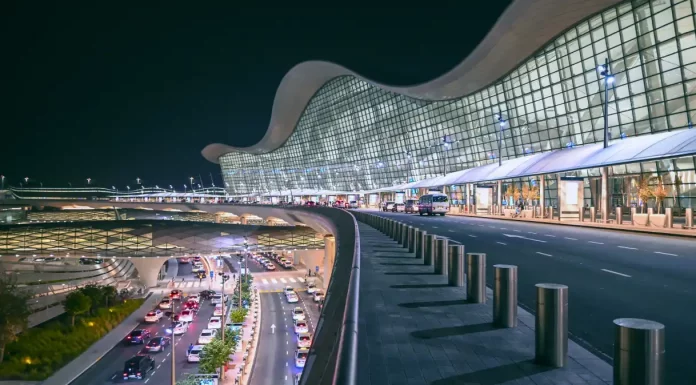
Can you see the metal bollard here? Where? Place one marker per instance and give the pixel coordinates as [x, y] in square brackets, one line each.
[619, 216]
[689, 217]
[639, 352]
[394, 228]
[593, 215]
[551, 326]
[412, 240]
[441, 256]
[476, 277]
[402, 233]
[455, 275]
[505, 296]
[420, 243]
[429, 249]
[669, 218]
[406, 235]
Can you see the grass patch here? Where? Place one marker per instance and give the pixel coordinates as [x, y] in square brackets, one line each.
[42, 350]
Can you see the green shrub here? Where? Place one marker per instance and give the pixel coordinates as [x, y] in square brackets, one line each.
[40, 351]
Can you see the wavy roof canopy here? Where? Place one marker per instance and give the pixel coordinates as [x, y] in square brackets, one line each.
[524, 27]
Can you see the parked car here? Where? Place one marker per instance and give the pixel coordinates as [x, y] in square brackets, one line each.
[214, 323]
[206, 336]
[354, 205]
[318, 296]
[301, 357]
[301, 327]
[194, 355]
[298, 314]
[398, 208]
[388, 206]
[411, 206]
[311, 287]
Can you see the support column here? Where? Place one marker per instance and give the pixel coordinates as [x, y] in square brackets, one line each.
[604, 199]
[468, 198]
[148, 269]
[500, 197]
[329, 258]
[243, 220]
[542, 195]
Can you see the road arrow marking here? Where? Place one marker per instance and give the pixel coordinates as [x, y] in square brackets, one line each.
[273, 329]
[521, 237]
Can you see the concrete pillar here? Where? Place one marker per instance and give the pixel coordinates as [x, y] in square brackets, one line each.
[243, 220]
[542, 195]
[148, 269]
[604, 199]
[329, 258]
[468, 198]
[500, 198]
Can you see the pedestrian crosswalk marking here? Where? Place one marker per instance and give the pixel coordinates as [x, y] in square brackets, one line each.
[189, 284]
[292, 279]
[265, 281]
[283, 280]
[274, 280]
[301, 279]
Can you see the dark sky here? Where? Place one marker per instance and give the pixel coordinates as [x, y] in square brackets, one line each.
[115, 92]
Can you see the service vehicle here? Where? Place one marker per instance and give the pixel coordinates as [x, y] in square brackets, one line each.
[301, 357]
[301, 327]
[304, 340]
[434, 203]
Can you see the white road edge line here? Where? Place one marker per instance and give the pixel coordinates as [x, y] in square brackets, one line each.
[572, 239]
[670, 254]
[502, 243]
[617, 273]
[549, 235]
[547, 255]
[626, 247]
[596, 243]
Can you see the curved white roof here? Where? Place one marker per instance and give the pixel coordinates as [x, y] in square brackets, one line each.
[524, 27]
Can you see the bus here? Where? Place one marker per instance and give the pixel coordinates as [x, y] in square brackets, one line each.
[433, 203]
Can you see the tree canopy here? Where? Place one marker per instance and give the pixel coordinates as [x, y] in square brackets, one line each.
[77, 303]
[14, 312]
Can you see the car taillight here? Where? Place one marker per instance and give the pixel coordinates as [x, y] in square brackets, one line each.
[125, 374]
[139, 374]
[129, 337]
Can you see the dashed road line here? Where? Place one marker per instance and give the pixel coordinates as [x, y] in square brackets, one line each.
[502, 243]
[670, 254]
[434, 227]
[627, 248]
[544, 254]
[617, 273]
[492, 227]
[549, 235]
[596, 243]
[472, 236]
[503, 228]
[570, 239]
[451, 231]
[531, 232]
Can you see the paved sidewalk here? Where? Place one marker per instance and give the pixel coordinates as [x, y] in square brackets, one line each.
[417, 330]
[99, 349]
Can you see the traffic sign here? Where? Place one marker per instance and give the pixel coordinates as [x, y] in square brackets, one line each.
[316, 269]
[212, 274]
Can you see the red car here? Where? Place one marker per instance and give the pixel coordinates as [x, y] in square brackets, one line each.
[175, 294]
[192, 305]
[310, 203]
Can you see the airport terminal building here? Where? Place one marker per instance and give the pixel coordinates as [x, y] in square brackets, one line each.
[532, 97]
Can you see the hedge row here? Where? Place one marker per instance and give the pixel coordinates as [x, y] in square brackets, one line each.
[40, 351]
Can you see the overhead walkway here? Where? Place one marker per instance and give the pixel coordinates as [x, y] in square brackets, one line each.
[417, 330]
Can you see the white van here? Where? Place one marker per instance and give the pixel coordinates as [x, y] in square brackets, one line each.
[432, 204]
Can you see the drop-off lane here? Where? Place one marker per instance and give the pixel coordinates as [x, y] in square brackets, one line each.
[654, 281]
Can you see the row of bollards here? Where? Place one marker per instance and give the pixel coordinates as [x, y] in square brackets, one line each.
[639, 348]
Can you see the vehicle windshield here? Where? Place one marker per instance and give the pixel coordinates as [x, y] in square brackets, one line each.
[151, 313]
[217, 296]
[136, 333]
[299, 311]
[302, 355]
[206, 334]
[154, 342]
[195, 352]
[300, 324]
[304, 338]
[214, 320]
[439, 198]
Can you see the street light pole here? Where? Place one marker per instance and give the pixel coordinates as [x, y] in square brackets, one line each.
[500, 140]
[173, 345]
[605, 71]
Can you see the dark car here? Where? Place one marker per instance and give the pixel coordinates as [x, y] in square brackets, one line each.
[206, 294]
[138, 367]
[138, 336]
[158, 344]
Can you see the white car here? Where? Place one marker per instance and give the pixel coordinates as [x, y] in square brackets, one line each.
[218, 311]
[216, 299]
[206, 336]
[301, 327]
[301, 357]
[194, 355]
[180, 328]
[214, 323]
[292, 298]
[318, 296]
[165, 304]
[154, 316]
[298, 314]
[287, 264]
[197, 267]
[311, 287]
[194, 298]
[270, 266]
[289, 289]
[186, 316]
[304, 340]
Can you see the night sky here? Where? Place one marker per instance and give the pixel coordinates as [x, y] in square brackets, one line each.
[113, 92]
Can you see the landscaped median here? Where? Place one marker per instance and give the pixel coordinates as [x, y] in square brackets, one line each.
[40, 351]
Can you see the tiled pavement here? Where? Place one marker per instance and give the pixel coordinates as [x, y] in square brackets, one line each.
[414, 329]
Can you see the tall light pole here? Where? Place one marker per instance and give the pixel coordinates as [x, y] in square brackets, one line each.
[89, 181]
[191, 180]
[502, 123]
[137, 180]
[605, 72]
[2, 180]
[173, 345]
[26, 179]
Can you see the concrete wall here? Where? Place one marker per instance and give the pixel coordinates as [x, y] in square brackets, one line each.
[310, 258]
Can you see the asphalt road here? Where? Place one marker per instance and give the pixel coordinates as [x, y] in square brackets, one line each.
[109, 369]
[275, 360]
[610, 275]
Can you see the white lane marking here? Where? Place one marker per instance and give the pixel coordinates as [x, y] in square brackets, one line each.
[531, 232]
[670, 254]
[544, 254]
[522, 237]
[571, 239]
[286, 364]
[148, 378]
[480, 225]
[451, 231]
[301, 279]
[265, 281]
[549, 235]
[617, 273]
[492, 227]
[596, 243]
[502, 243]
[503, 228]
[283, 280]
[115, 375]
[292, 279]
[168, 354]
[274, 280]
[158, 366]
[472, 236]
[516, 231]
[626, 247]
[434, 227]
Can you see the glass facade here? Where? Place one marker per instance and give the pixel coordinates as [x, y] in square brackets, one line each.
[356, 137]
